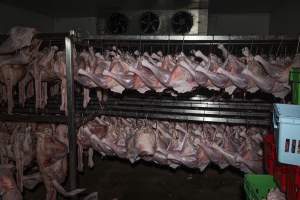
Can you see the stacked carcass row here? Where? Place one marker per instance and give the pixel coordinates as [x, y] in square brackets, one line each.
[28, 144]
[16, 53]
[174, 144]
[117, 70]
[22, 64]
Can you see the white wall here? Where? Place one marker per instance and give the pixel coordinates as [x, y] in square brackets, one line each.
[11, 16]
[239, 24]
[85, 24]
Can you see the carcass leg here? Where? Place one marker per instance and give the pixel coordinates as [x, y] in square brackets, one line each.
[10, 99]
[20, 167]
[22, 92]
[51, 193]
[44, 95]
[99, 96]
[63, 106]
[30, 90]
[86, 97]
[37, 86]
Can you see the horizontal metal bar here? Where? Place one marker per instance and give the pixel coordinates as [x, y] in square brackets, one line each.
[186, 118]
[188, 37]
[32, 118]
[235, 104]
[231, 102]
[194, 105]
[187, 111]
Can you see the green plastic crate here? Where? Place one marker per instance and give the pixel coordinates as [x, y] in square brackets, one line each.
[295, 80]
[257, 187]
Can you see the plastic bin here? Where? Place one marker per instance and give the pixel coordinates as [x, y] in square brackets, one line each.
[269, 153]
[279, 171]
[293, 183]
[257, 187]
[280, 176]
[286, 122]
[295, 79]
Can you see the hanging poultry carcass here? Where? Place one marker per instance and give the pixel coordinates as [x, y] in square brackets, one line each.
[262, 79]
[21, 150]
[184, 74]
[174, 144]
[8, 186]
[52, 150]
[13, 69]
[19, 37]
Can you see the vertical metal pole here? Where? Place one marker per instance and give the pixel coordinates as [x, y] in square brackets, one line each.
[71, 114]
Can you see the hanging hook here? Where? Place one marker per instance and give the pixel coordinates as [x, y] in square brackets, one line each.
[182, 43]
[278, 48]
[297, 50]
[210, 45]
[251, 46]
[271, 50]
[168, 44]
[256, 50]
[140, 44]
[285, 51]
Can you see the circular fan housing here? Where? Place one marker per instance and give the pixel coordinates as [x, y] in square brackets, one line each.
[117, 23]
[182, 22]
[149, 22]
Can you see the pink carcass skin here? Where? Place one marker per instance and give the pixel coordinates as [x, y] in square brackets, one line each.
[19, 37]
[262, 79]
[119, 73]
[233, 69]
[175, 144]
[276, 71]
[43, 72]
[276, 194]
[52, 149]
[162, 74]
[60, 70]
[209, 68]
[186, 63]
[107, 75]
[8, 186]
[181, 79]
[14, 70]
[146, 76]
[5, 135]
[22, 149]
[88, 138]
[10, 75]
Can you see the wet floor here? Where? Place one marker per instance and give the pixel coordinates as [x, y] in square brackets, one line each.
[114, 179]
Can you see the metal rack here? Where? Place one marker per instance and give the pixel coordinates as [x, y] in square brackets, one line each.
[233, 112]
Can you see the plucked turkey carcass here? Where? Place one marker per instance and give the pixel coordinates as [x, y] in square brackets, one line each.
[8, 186]
[15, 70]
[19, 37]
[174, 144]
[52, 150]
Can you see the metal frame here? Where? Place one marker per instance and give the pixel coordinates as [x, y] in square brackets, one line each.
[184, 110]
[72, 133]
[202, 38]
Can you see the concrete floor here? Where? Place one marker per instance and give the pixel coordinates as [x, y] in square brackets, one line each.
[116, 179]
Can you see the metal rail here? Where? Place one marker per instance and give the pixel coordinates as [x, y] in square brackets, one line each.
[182, 110]
[72, 133]
[202, 38]
[243, 112]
